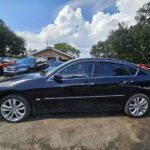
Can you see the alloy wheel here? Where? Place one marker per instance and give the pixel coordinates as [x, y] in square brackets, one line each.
[13, 109]
[138, 106]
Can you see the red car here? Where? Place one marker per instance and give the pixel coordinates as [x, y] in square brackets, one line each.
[144, 66]
[4, 62]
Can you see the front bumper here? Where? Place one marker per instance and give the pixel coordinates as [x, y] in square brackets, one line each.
[14, 73]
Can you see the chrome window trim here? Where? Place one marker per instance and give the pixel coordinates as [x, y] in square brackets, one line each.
[50, 78]
[77, 97]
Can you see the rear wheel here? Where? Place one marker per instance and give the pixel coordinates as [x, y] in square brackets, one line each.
[14, 108]
[137, 106]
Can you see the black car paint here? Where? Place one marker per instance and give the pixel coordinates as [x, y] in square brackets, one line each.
[84, 94]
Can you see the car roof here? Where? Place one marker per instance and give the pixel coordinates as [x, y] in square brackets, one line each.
[100, 59]
[112, 60]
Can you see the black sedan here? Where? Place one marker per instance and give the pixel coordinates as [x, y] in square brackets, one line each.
[78, 85]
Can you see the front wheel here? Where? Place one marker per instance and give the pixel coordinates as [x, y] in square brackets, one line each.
[137, 106]
[14, 108]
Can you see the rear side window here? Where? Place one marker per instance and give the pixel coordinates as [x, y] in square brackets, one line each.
[141, 72]
[109, 69]
[132, 70]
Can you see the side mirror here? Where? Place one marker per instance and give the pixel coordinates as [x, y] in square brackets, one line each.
[58, 78]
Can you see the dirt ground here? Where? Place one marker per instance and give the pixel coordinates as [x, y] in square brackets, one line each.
[86, 131]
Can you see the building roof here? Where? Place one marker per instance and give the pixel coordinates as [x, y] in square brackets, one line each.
[53, 49]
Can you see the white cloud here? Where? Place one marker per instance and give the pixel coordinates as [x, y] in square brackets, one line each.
[70, 27]
[92, 5]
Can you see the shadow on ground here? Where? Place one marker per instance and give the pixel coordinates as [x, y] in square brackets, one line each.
[79, 115]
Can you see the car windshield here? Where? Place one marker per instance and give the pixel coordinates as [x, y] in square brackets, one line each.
[50, 72]
[1, 59]
[56, 64]
[29, 61]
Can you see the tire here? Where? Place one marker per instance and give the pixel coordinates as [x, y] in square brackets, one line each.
[14, 108]
[137, 106]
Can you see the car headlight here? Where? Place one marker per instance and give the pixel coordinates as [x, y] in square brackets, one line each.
[22, 69]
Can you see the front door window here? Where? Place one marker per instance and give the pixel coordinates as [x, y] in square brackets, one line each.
[78, 70]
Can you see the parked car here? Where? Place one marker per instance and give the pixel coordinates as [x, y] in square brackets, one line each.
[54, 65]
[4, 62]
[77, 85]
[51, 61]
[144, 66]
[25, 65]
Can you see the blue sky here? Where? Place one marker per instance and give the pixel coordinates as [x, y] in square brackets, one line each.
[33, 15]
[54, 21]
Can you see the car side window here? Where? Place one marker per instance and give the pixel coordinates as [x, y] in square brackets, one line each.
[77, 70]
[132, 70]
[104, 69]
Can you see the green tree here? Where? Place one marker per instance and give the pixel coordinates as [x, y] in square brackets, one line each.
[131, 44]
[68, 49]
[143, 14]
[10, 43]
[118, 45]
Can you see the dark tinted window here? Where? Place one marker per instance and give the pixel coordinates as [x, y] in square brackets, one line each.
[110, 69]
[78, 70]
[142, 72]
[28, 61]
[132, 70]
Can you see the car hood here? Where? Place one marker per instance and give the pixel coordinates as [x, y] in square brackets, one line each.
[12, 81]
[19, 66]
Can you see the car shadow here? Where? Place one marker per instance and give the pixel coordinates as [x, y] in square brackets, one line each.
[78, 115]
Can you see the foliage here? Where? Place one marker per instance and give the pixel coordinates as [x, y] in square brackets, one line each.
[10, 43]
[143, 14]
[68, 49]
[131, 44]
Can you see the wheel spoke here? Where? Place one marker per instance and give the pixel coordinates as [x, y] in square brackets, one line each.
[142, 110]
[8, 114]
[5, 109]
[21, 108]
[10, 102]
[5, 106]
[14, 102]
[16, 114]
[11, 116]
[138, 99]
[134, 111]
[20, 113]
[143, 103]
[137, 111]
[20, 104]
